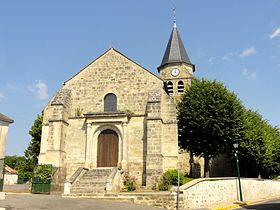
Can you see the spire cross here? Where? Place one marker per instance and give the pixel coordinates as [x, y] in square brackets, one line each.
[174, 17]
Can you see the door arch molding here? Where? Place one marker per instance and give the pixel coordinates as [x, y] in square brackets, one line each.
[93, 131]
[107, 148]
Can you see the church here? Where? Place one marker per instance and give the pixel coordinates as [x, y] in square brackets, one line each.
[116, 116]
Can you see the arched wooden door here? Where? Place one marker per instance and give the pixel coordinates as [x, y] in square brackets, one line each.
[107, 149]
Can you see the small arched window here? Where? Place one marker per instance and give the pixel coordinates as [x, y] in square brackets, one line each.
[180, 87]
[110, 103]
[170, 87]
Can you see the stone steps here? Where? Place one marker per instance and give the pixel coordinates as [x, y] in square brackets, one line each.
[92, 182]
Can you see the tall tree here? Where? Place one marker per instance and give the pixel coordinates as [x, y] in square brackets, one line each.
[15, 161]
[260, 148]
[33, 150]
[210, 119]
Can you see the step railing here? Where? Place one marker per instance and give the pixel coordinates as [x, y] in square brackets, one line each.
[69, 182]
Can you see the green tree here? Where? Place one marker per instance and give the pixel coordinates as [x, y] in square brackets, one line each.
[33, 150]
[25, 165]
[20, 164]
[210, 119]
[15, 161]
[260, 148]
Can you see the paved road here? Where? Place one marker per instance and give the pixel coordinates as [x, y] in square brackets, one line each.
[56, 202]
[271, 205]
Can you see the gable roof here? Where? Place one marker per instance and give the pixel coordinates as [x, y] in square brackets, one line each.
[5, 119]
[110, 49]
[10, 170]
[175, 51]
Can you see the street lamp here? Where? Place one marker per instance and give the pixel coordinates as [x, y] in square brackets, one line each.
[178, 186]
[235, 145]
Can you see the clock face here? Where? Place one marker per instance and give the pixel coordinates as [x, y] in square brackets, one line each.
[175, 72]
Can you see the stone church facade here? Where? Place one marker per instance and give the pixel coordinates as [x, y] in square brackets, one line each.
[114, 113]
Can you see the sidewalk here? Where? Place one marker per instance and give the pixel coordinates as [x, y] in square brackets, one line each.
[24, 201]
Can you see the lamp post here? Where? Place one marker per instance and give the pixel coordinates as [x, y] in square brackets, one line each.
[178, 186]
[235, 145]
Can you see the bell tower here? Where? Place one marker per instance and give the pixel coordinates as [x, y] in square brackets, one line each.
[176, 68]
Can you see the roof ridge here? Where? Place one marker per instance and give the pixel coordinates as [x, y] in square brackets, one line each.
[110, 49]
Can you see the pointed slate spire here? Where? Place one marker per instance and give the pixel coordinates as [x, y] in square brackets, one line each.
[175, 51]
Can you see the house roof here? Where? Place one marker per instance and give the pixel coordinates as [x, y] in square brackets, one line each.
[5, 119]
[10, 170]
[175, 51]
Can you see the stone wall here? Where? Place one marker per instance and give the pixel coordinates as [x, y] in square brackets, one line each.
[154, 161]
[218, 192]
[166, 200]
[76, 144]
[4, 127]
[201, 193]
[136, 141]
[145, 119]
[112, 73]
[169, 132]
[10, 179]
[185, 75]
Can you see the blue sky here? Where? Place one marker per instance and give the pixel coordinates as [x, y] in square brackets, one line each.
[43, 43]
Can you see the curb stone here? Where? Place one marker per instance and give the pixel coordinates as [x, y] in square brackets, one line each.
[230, 207]
[247, 203]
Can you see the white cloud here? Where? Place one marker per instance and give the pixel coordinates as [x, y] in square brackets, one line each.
[13, 87]
[211, 60]
[245, 53]
[228, 56]
[40, 90]
[249, 75]
[275, 33]
[1, 96]
[248, 52]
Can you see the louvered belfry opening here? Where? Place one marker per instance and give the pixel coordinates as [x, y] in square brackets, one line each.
[107, 149]
[180, 87]
[170, 87]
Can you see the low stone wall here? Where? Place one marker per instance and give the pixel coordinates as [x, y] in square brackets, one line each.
[199, 193]
[217, 191]
[160, 199]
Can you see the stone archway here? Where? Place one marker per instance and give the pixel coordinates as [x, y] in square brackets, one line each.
[107, 149]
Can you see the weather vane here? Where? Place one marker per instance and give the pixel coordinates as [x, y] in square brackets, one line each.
[174, 15]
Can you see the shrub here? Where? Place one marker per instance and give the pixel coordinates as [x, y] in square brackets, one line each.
[169, 178]
[129, 182]
[43, 173]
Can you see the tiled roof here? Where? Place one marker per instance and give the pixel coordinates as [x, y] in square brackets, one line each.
[5, 119]
[10, 170]
[175, 51]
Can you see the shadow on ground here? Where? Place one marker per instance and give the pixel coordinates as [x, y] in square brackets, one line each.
[264, 206]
